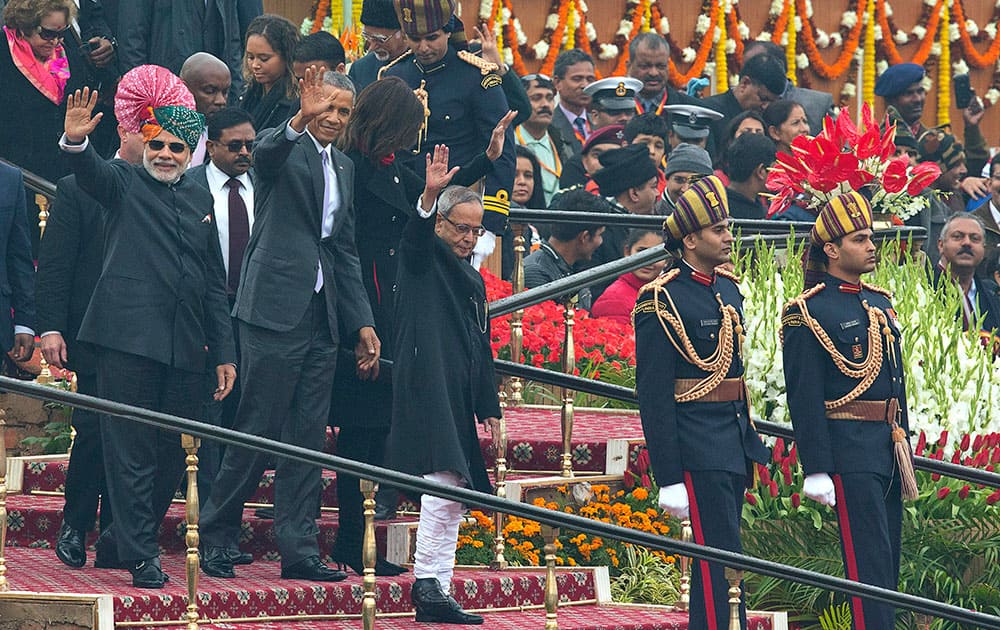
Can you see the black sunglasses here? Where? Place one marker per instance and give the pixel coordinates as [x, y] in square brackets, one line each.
[175, 147]
[236, 145]
[49, 35]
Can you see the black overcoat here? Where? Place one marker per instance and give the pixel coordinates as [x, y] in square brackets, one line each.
[443, 378]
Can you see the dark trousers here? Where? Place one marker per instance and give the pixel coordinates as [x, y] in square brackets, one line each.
[287, 384]
[143, 464]
[85, 477]
[362, 445]
[716, 504]
[221, 413]
[870, 514]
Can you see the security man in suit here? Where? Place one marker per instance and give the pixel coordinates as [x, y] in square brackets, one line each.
[847, 399]
[464, 101]
[692, 396]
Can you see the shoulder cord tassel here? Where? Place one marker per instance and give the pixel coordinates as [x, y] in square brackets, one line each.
[903, 453]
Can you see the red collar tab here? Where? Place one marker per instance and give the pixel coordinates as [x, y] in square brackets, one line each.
[847, 287]
[702, 278]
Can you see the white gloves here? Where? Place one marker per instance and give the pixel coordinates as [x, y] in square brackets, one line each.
[484, 247]
[819, 488]
[674, 500]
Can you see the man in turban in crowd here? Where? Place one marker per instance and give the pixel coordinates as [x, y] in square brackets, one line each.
[847, 399]
[159, 318]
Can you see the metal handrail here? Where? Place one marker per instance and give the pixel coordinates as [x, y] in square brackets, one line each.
[34, 182]
[472, 497]
[624, 394]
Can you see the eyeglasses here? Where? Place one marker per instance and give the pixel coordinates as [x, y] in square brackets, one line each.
[236, 145]
[464, 229]
[175, 147]
[375, 38]
[49, 34]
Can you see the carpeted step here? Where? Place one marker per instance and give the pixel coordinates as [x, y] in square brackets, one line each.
[259, 592]
[33, 521]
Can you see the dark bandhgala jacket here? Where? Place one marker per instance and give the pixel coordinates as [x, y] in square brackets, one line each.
[443, 378]
[162, 289]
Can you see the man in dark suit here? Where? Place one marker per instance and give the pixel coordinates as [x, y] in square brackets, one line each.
[962, 246]
[762, 81]
[167, 33]
[816, 103]
[300, 295]
[69, 263]
[572, 73]
[17, 308]
[159, 315]
[228, 176]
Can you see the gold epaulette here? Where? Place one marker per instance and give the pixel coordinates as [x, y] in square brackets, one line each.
[877, 289]
[725, 273]
[797, 319]
[663, 278]
[382, 70]
[805, 295]
[485, 67]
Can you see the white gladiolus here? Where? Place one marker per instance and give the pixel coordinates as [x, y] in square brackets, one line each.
[608, 51]
[552, 22]
[901, 37]
[688, 55]
[541, 50]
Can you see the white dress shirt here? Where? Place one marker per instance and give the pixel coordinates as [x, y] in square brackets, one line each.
[220, 195]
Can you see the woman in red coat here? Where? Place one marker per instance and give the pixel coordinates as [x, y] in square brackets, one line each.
[618, 299]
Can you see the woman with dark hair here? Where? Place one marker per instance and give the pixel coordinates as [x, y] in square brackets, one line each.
[749, 121]
[618, 300]
[527, 191]
[786, 120]
[271, 93]
[386, 120]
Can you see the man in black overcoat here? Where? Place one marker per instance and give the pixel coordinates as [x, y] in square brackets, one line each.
[443, 379]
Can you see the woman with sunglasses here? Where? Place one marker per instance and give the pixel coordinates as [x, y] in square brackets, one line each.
[386, 120]
[39, 66]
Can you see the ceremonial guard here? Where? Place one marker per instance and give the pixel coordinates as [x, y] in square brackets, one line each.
[463, 101]
[692, 396]
[847, 399]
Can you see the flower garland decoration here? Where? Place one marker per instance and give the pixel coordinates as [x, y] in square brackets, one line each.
[868, 67]
[790, 44]
[835, 70]
[944, 68]
[843, 158]
[930, 17]
[967, 30]
[721, 63]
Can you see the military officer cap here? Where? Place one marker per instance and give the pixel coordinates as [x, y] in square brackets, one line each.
[621, 169]
[702, 205]
[898, 78]
[418, 18]
[691, 122]
[614, 93]
[842, 215]
[612, 134]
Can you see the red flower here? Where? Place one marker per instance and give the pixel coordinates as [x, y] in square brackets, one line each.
[921, 176]
[642, 460]
[765, 474]
[894, 178]
[796, 500]
[993, 498]
[995, 459]
[646, 482]
[774, 489]
[628, 480]
[786, 472]
[943, 439]
[935, 477]
[921, 443]
[751, 499]
[956, 457]
[977, 443]
[964, 492]
[943, 492]
[778, 450]
[965, 442]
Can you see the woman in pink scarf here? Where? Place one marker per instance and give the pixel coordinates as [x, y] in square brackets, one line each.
[37, 70]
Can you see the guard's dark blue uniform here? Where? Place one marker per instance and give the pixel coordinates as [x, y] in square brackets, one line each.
[465, 106]
[857, 454]
[706, 445]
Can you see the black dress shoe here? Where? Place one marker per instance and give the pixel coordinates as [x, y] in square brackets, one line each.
[312, 569]
[106, 552]
[148, 574]
[71, 548]
[216, 562]
[352, 559]
[433, 606]
[238, 557]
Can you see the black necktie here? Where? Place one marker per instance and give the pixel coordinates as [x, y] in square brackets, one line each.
[239, 232]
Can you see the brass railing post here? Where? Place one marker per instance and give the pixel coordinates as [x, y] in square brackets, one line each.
[368, 556]
[516, 318]
[3, 500]
[500, 476]
[734, 577]
[568, 365]
[550, 534]
[684, 602]
[190, 445]
[44, 374]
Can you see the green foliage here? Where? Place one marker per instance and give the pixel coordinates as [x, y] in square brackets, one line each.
[645, 578]
[57, 434]
[836, 617]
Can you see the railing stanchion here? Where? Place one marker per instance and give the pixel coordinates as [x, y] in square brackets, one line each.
[3, 500]
[517, 317]
[550, 534]
[369, 555]
[734, 577]
[190, 445]
[685, 598]
[500, 476]
[568, 365]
